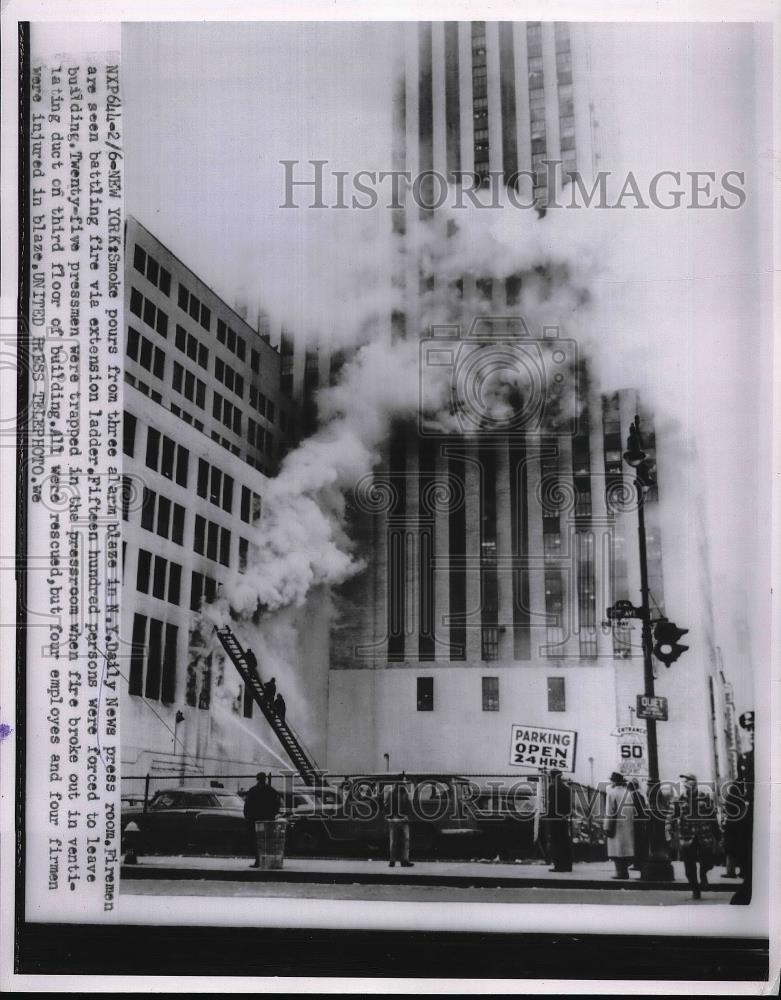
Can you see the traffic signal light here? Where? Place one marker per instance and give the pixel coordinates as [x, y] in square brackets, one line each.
[666, 645]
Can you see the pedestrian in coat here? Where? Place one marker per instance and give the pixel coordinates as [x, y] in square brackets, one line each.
[397, 808]
[557, 823]
[640, 829]
[619, 825]
[261, 804]
[693, 817]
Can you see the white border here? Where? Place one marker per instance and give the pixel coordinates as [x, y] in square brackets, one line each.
[333, 914]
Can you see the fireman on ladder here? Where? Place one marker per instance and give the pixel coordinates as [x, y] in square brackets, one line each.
[252, 661]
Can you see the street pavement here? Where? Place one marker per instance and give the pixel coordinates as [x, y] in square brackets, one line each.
[347, 878]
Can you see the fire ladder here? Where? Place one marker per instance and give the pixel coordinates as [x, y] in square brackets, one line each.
[301, 760]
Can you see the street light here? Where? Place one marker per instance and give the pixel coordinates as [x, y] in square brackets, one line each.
[657, 867]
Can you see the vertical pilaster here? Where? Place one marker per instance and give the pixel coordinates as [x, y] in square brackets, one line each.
[550, 85]
[537, 617]
[412, 547]
[442, 557]
[504, 550]
[495, 149]
[472, 487]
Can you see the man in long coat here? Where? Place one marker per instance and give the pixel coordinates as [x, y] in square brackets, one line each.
[619, 825]
[694, 819]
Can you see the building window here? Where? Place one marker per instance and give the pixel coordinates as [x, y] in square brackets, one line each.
[142, 572]
[557, 701]
[152, 448]
[425, 694]
[490, 694]
[129, 435]
[136, 678]
[490, 642]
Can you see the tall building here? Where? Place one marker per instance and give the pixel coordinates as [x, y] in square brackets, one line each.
[494, 549]
[205, 425]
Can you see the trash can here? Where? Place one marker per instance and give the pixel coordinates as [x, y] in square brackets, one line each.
[131, 837]
[270, 842]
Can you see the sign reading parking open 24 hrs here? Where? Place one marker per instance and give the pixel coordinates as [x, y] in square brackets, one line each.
[544, 749]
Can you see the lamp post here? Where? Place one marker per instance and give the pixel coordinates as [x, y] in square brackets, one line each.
[657, 867]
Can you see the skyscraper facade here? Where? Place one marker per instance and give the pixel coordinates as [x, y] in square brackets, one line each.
[495, 546]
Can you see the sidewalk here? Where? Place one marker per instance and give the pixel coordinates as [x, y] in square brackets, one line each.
[466, 874]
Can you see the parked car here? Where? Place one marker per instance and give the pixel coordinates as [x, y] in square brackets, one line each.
[440, 821]
[505, 818]
[189, 821]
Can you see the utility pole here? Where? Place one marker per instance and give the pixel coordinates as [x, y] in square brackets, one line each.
[657, 867]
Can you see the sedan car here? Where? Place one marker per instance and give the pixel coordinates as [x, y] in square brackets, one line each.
[440, 822]
[188, 821]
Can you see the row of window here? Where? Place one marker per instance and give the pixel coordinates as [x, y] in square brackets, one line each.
[146, 264]
[192, 347]
[153, 659]
[490, 694]
[189, 386]
[226, 412]
[143, 388]
[165, 456]
[259, 437]
[163, 516]
[261, 403]
[146, 310]
[184, 382]
[142, 350]
[165, 578]
[212, 540]
[215, 486]
[194, 308]
[187, 417]
[229, 377]
[232, 448]
[233, 341]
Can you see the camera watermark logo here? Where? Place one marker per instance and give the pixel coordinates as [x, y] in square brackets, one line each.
[498, 378]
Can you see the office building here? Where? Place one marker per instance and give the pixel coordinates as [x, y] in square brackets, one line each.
[494, 550]
[205, 425]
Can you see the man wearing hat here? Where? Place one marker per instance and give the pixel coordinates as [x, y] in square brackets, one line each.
[693, 818]
[262, 803]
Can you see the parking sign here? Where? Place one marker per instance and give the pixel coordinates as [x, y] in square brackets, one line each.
[543, 749]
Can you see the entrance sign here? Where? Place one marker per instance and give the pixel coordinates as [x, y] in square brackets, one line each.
[545, 749]
[632, 752]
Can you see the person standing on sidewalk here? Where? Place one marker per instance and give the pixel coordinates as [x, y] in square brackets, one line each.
[261, 805]
[619, 825]
[694, 819]
[640, 828]
[557, 823]
[397, 807]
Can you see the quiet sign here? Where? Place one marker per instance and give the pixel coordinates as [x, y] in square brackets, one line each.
[531, 746]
